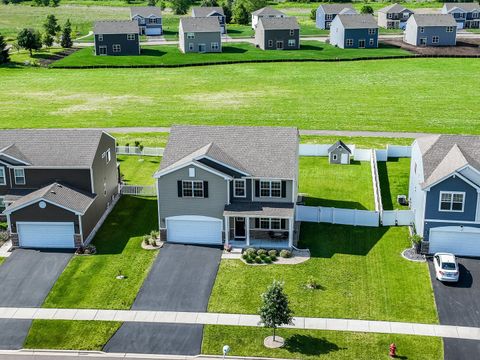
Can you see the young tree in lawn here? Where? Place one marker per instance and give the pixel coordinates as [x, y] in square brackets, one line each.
[152, 2]
[30, 40]
[313, 14]
[366, 9]
[209, 3]
[47, 40]
[55, 3]
[241, 15]
[66, 41]
[275, 310]
[4, 56]
[252, 5]
[51, 25]
[180, 7]
[227, 6]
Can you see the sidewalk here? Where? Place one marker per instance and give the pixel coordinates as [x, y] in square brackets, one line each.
[301, 323]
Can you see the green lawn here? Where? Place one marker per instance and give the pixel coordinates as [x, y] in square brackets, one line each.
[316, 344]
[341, 96]
[149, 139]
[138, 170]
[171, 55]
[394, 177]
[90, 281]
[70, 335]
[342, 186]
[359, 269]
[22, 57]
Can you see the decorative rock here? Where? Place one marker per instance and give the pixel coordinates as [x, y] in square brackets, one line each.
[411, 255]
[271, 344]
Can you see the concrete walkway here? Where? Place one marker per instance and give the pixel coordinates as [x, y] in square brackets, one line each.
[202, 318]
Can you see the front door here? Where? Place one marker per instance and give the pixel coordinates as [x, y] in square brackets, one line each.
[423, 41]
[239, 227]
[102, 50]
[202, 48]
[361, 43]
[279, 45]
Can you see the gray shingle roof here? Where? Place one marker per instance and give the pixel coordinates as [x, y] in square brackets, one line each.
[146, 11]
[58, 194]
[470, 6]
[69, 148]
[434, 20]
[341, 144]
[357, 21]
[267, 11]
[204, 11]
[258, 151]
[444, 154]
[116, 27]
[276, 23]
[199, 24]
[259, 209]
[393, 9]
[335, 8]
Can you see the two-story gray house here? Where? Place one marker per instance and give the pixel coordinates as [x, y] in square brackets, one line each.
[431, 30]
[393, 16]
[444, 192]
[116, 37]
[200, 35]
[327, 12]
[229, 184]
[354, 31]
[467, 15]
[266, 12]
[277, 33]
[149, 19]
[55, 185]
[211, 11]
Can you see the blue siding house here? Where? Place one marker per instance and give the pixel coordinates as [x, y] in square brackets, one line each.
[467, 15]
[354, 31]
[327, 12]
[444, 192]
[431, 30]
[149, 19]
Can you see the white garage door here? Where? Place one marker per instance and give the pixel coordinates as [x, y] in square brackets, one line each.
[153, 31]
[456, 240]
[45, 235]
[194, 230]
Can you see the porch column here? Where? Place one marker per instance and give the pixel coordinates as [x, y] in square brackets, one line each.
[290, 232]
[247, 230]
[227, 230]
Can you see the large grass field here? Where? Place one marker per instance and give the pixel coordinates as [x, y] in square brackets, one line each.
[171, 55]
[370, 95]
[90, 281]
[353, 266]
[394, 177]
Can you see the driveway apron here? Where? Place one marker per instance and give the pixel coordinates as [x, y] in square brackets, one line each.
[181, 279]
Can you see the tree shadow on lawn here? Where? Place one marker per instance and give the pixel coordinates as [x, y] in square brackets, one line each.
[341, 204]
[230, 49]
[311, 47]
[385, 185]
[309, 345]
[152, 52]
[131, 217]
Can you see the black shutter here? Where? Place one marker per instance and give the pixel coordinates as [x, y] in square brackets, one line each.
[179, 188]
[205, 189]
[284, 189]
[257, 223]
[257, 188]
[283, 224]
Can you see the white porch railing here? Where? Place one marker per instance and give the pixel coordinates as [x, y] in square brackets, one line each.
[138, 190]
[337, 216]
[134, 150]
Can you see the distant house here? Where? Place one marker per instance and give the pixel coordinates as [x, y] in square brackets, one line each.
[266, 12]
[394, 16]
[116, 38]
[467, 15]
[278, 34]
[211, 11]
[354, 31]
[431, 30]
[149, 19]
[200, 35]
[339, 153]
[327, 12]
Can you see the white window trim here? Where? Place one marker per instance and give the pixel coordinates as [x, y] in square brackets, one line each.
[4, 175]
[435, 39]
[292, 42]
[292, 32]
[421, 29]
[449, 29]
[235, 181]
[270, 188]
[371, 42]
[451, 201]
[372, 31]
[349, 42]
[214, 46]
[270, 224]
[100, 37]
[193, 189]
[190, 35]
[334, 157]
[15, 176]
[116, 46]
[130, 36]
[270, 43]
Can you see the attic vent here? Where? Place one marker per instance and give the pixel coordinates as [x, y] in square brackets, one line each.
[52, 192]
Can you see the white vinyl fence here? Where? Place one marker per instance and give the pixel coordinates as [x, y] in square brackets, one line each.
[138, 190]
[397, 217]
[337, 216]
[399, 151]
[134, 150]
[317, 149]
[377, 194]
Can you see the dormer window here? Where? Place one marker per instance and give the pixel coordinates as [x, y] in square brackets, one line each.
[3, 178]
[19, 175]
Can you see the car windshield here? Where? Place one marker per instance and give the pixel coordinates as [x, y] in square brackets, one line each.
[448, 266]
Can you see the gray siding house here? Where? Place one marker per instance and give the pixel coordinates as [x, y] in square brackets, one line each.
[467, 15]
[431, 30]
[354, 31]
[149, 19]
[278, 34]
[394, 16]
[229, 185]
[266, 12]
[211, 11]
[444, 192]
[339, 153]
[327, 12]
[55, 185]
[200, 35]
[116, 38]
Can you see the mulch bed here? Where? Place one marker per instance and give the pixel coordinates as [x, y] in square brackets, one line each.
[412, 255]
[48, 60]
[465, 47]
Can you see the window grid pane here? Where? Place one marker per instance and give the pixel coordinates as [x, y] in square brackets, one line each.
[187, 189]
[265, 223]
[264, 188]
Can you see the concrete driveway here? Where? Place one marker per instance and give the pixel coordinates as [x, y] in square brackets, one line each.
[181, 279]
[458, 304]
[26, 278]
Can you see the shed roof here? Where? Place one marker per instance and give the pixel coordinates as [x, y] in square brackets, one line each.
[338, 144]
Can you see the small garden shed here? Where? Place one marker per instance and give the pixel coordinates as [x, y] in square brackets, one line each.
[339, 153]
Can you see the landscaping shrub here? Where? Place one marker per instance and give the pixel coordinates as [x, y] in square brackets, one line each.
[285, 253]
[262, 256]
[250, 251]
[261, 252]
[245, 256]
[273, 257]
[146, 240]
[267, 260]
[249, 260]
[272, 253]
[258, 259]
[3, 226]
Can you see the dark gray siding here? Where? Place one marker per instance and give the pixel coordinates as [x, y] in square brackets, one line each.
[361, 34]
[128, 47]
[248, 198]
[288, 196]
[269, 39]
[221, 168]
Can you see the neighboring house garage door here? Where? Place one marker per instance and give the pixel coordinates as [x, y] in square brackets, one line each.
[453, 239]
[153, 31]
[45, 235]
[194, 230]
